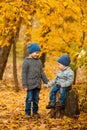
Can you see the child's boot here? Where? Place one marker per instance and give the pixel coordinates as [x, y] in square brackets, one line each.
[60, 105]
[37, 115]
[50, 105]
[28, 117]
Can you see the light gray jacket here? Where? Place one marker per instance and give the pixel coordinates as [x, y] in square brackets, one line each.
[65, 77]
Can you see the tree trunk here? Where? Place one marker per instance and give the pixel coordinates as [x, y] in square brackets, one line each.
[15, 68]
[25, 50]
[4, 53]
[71, 106]
[43, 58]
[15, 38]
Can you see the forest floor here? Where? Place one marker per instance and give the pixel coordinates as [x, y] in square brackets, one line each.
[12, 105]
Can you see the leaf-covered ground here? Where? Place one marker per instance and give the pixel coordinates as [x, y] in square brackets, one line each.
[12, 116]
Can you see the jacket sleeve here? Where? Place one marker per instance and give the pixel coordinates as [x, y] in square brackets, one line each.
[44, 78]
[54, 81]
[43, 75]
[24, 73]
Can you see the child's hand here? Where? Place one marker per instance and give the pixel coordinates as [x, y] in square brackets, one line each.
[25, 89]
[61, 85]
[46, 85]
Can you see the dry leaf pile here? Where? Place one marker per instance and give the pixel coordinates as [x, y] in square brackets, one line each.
[12, 116]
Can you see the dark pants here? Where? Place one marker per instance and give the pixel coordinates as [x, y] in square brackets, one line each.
[32, 100]
[63, 91]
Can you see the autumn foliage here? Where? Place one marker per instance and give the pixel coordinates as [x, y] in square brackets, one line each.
[59, 26]
[12, 104]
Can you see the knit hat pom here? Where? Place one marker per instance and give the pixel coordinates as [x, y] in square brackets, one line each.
[64, 60]
[33, 47]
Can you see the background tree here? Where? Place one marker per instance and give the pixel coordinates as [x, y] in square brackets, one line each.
[12, 15]
[61, 27]
[58, 26]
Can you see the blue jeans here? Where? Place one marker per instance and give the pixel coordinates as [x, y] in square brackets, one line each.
[32, 100]
[63, 91]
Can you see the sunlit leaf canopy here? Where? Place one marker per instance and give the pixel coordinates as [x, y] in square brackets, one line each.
[11, 12]
[57, 25]
[62, 24]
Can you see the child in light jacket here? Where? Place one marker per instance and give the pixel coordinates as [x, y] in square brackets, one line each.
[62, 81]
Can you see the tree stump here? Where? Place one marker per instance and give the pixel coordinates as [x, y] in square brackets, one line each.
[71, 106]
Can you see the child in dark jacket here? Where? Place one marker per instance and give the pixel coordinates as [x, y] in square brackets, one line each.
[62, 81]
[32, 74]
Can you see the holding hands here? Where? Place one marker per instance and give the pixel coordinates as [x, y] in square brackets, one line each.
[47, 85]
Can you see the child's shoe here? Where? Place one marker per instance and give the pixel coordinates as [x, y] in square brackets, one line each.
[50, 105]
[37, 115]
[28, 117]
[60, 105]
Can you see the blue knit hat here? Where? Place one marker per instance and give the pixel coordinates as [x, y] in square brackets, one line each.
[33, 47]
[64, 60]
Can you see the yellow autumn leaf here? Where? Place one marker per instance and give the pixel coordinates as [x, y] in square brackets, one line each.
[23, 128]
[65, 4]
